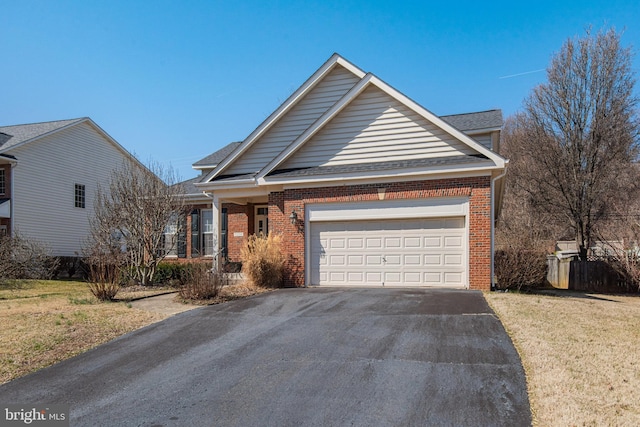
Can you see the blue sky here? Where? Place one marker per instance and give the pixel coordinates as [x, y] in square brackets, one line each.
[173, 81]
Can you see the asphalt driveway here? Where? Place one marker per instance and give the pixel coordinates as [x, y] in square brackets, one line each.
[313, 357]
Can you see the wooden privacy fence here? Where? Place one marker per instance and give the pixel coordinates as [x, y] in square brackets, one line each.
[590, 276]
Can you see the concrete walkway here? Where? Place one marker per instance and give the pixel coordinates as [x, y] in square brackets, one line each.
[163, 304]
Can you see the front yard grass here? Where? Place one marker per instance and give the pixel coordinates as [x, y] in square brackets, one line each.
[580, 353]
[46, 321]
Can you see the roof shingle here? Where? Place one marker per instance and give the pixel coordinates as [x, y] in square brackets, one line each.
[20, 133]
[473, 121]
[214, 158]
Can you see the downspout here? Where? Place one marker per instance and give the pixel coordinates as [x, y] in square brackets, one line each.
[493, 224]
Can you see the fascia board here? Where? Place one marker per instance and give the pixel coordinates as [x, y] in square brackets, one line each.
[284, 108]
[244, 183]
[243, 193]
[390, 175]
[8, 160]
[481, 130]
[497, 159]
[316, 126]
[201, 167]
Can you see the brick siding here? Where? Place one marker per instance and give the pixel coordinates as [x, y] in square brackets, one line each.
[478, 189]
[239, 221]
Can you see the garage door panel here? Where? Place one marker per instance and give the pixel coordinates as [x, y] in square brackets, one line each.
[373, 277]
[393, 278]
[356, 277]
[432, 242]
[392, 260]
[396, 252]
[337, 243]
[337, 276]
[373, 243]
[412, 242]
[432, 278]
[356, 260]
[412, 260]
[393, 242]
[453, 241]
[412, 278]
[432, 259]
[337, 261]
[453, 278]
[355, 243]
[373, 260]
[453, 259]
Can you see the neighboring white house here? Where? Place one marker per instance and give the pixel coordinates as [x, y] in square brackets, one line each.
[49, 174]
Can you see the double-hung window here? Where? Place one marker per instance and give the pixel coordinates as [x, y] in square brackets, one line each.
[171, 238]
[79, 196]
[207, 231]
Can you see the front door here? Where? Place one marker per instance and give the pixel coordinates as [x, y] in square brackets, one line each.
[261, 220]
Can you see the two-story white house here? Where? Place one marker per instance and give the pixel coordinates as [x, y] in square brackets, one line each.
[49, 174]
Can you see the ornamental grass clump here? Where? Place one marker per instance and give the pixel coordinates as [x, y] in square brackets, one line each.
[263, 260]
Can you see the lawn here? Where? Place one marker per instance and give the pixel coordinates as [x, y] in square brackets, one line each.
[44, 322]
[580, 353]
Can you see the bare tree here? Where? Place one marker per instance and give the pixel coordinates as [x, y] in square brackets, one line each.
[578, 133]
[132, 214]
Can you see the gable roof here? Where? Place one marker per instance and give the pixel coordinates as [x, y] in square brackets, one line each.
[334, 61]
[213, 159]
[27, 133]
[372, 80]
[19, 134]
[278, 163]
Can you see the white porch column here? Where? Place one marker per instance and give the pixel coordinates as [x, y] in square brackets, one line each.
[215, 210]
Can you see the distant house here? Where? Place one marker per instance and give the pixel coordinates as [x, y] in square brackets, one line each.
[49, 173]
[365, 186]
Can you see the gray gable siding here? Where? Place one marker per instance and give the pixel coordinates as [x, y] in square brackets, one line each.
[295, 122]
[374, 127]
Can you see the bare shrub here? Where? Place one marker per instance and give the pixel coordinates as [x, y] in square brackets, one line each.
[263, 261]
[106, 264]
[22, 258]
[104, 280]
[518, 268]
[199, 282]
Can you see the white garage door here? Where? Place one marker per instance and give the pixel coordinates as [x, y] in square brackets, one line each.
[409, 252]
